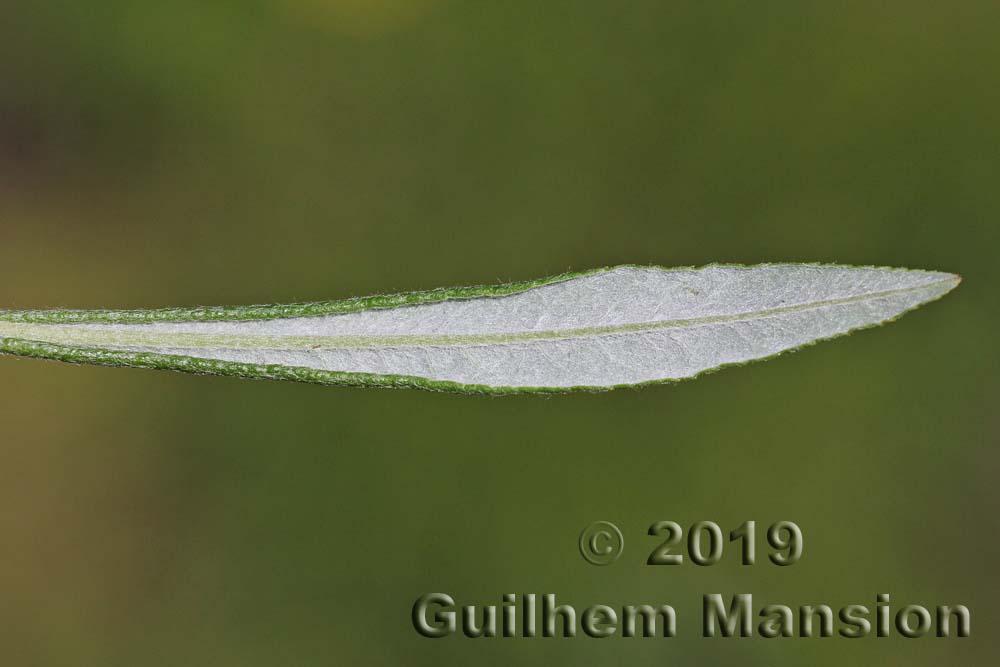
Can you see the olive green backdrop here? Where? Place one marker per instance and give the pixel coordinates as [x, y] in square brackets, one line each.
[185, 153]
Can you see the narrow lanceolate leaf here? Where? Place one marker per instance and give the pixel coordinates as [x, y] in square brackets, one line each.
[608, 328]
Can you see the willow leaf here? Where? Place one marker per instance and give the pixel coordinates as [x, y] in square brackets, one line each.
[608, 328]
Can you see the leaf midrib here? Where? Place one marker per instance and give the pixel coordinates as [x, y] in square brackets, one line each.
[122, 338]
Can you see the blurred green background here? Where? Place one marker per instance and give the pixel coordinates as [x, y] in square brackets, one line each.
[184, 153]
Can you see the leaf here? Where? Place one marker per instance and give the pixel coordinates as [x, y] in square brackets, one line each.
[603, 329]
